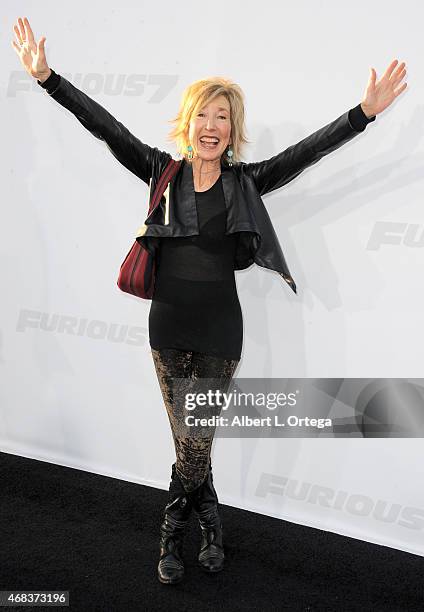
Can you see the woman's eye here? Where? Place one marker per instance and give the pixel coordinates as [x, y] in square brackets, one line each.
[223, 116]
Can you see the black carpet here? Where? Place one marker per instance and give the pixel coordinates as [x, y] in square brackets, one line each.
[98, 538]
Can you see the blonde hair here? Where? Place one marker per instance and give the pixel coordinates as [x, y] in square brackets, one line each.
[199, 94]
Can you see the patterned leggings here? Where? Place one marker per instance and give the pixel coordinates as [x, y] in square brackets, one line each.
[192, 449]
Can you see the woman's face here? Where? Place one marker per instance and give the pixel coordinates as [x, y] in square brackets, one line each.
[212, 122]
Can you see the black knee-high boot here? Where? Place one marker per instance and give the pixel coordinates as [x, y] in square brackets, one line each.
[176, 516]
[205, 503]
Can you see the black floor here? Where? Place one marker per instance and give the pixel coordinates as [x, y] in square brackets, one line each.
[97, 537]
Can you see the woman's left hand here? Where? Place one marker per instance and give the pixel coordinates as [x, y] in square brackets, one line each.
[378, 96]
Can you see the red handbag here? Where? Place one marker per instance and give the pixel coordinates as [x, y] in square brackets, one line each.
[138, 270]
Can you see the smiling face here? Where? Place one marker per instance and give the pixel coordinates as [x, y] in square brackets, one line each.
[211, 125]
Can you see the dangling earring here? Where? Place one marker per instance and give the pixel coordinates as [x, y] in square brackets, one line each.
[229, 155]
[190, 153]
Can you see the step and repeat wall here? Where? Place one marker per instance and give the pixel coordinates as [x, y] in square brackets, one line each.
[79, 386]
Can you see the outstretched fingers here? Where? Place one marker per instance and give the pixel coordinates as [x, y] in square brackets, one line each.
[399, 69]
[22, 29]
[24, 36]
[390, 69]
[28, 31]
[399, 77]
[400, 89]
[18, 34]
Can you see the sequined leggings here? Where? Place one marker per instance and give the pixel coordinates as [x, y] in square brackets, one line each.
[172, 365]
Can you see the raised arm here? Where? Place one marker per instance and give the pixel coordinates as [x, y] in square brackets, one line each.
[275, 172]
[284, 167]
[138, 157]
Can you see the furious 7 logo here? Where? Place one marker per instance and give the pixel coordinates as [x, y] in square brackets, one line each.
[389, 232]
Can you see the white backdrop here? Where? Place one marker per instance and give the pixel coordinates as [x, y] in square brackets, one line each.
[78, 382]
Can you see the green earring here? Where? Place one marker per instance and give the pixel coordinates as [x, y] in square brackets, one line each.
[190, 152]
[229, 155]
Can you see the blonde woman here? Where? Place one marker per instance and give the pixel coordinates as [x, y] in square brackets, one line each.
[210, 222]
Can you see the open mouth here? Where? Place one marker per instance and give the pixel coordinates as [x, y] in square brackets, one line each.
[209, 144]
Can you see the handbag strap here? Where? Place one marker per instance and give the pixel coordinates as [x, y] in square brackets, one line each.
[166, 176]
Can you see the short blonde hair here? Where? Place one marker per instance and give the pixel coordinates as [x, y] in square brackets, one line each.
[199, 94]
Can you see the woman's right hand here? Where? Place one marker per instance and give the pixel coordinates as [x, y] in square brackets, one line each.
[31, 54]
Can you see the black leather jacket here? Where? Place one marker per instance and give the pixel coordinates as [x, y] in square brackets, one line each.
[243, 183]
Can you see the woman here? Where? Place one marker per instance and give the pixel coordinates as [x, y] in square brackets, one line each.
[211, 221]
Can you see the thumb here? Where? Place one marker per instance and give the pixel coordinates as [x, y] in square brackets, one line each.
[41, 46]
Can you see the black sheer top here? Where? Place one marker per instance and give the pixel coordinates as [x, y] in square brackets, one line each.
[195, 305]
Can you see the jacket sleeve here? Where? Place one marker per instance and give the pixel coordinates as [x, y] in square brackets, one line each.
[136, 156]
[275, 172]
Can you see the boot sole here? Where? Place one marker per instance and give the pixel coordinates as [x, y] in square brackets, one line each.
[211, 571]
[177, 581]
